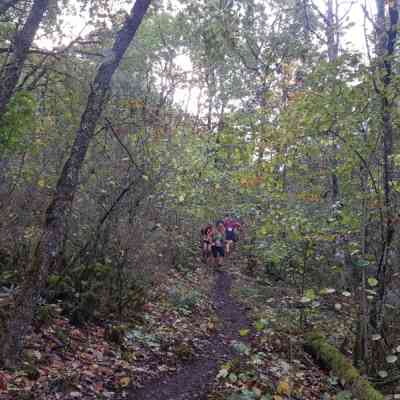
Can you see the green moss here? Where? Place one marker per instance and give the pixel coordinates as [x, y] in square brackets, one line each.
[341, 366]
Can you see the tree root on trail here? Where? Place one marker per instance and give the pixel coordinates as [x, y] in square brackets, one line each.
[330, 357]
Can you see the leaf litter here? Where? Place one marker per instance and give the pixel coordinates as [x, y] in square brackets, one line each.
[195, 342]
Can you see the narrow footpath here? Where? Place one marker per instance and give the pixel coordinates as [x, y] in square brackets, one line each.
[192, 380]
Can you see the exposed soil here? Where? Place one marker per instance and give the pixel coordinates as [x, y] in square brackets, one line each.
[193, 379]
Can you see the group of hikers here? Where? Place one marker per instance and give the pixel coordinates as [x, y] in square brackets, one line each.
[218, 240]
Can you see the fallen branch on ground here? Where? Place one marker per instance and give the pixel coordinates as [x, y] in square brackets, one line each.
[331, 357]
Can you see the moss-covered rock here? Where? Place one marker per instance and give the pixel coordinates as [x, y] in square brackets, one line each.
[331, 357]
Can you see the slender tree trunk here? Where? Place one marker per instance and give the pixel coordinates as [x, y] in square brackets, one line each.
[20, 47]
[50, 244]
[361, 351]
[332, 38]
[385, 49]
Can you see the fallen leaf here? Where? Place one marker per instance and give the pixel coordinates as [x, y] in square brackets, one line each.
[211, 326]
[283, 387]
[391, 359]
[3, 382]
[372, 282]
[223, 373]
[383, 374]
[233, 377]
[327, 291]
[125, 381]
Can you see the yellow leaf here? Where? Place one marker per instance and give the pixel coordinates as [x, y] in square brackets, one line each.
[277, 398]
[211, 326]
[283, 387]
[124, 381]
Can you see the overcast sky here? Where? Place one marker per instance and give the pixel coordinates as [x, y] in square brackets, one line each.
[354, 38]
[74, 25]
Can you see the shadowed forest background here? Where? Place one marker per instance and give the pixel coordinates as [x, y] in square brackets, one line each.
[120, 142]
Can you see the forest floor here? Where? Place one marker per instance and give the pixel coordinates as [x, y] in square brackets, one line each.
[204, 335]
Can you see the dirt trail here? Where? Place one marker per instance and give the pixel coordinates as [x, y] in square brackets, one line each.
[191, 381]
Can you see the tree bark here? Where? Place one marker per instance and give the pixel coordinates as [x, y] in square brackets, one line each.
[332, 39]
[50, 243]
[385, 49]
[21, 44]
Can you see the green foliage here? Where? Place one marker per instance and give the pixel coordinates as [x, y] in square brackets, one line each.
[88, 292]
[17, 122]
[246, 394]
[43, 315]
[185, 301]
[276, 124]
[344, 395]
[241, 347]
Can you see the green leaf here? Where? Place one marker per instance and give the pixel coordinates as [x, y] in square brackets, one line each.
[260, 325]
[233, 377]
[372, 282]
[362, 263]
[310, 294]
[344, 395]
[241, 348]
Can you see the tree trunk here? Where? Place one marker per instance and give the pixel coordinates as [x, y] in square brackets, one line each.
[20, 47]
[385, 49]
[361, 353]
[332, 39]
[50, 243]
